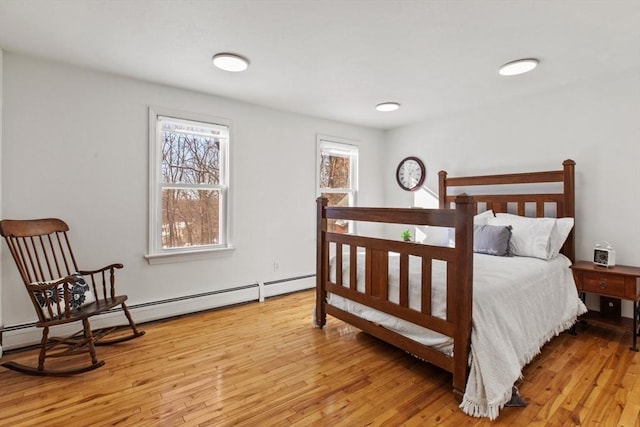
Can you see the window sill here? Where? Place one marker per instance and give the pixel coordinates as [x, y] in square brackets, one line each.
[182, 256]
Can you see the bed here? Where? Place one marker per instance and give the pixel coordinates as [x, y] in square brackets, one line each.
[453, 304]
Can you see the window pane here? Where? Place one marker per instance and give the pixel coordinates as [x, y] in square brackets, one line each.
[337, 199]
[335, 171]
[190, 217]
[190, 153]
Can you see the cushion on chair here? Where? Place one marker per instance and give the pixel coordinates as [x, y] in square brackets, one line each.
[80, 294]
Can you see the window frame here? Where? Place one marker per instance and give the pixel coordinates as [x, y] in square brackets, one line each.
[342, 144]
[156, 253]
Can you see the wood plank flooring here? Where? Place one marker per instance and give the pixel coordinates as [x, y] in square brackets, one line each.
[262, 364]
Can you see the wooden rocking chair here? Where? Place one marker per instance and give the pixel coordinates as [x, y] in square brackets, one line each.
[62, 293]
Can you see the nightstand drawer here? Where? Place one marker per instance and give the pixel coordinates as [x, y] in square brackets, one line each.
[604, 284]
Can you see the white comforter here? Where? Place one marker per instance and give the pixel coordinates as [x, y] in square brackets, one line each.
[519, 304]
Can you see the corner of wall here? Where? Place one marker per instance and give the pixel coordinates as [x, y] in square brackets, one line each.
[1, 84]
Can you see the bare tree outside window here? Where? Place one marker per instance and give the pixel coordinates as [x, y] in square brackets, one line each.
[335, 172]
[191, 184]
[338, 166]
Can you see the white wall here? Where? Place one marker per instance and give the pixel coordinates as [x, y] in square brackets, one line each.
[75, 147]
[594, 123]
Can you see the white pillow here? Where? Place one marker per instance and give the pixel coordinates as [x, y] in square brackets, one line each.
[439, 236]
[559, 235]
[445, 236]
[530, 237]
[483, 217]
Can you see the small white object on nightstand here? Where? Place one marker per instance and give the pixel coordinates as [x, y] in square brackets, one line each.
[604, 256]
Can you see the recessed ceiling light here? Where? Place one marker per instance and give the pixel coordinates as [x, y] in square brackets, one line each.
[519, 66]
[230, 62]
[387, 106]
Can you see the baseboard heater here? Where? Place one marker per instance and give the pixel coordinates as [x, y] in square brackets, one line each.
[26, 334]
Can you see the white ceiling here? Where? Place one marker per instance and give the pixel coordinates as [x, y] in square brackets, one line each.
[336, 59]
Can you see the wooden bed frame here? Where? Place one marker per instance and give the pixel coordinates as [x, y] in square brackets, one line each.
[459, 293]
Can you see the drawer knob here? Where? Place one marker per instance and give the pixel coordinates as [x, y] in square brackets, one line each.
[603, 284]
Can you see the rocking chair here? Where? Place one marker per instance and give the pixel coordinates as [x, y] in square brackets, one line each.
[60, 295]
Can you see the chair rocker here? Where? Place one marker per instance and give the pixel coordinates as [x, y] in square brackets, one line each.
[62, 293]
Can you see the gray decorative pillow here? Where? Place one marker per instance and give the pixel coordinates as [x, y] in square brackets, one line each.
[491, 239]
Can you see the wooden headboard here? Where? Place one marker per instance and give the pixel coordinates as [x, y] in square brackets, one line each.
[564, 201]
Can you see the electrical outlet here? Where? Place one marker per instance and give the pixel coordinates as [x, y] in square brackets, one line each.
[276, 265]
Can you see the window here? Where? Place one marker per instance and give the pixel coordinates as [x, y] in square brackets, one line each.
[338, 176]
[188, 183]
[424, 198]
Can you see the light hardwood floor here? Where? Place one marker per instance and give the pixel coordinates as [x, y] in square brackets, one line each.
[263, 364]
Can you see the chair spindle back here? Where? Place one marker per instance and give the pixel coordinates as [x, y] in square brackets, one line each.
[40, 248]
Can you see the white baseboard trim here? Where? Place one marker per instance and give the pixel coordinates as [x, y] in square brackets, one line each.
[287, 286]
[18, 336]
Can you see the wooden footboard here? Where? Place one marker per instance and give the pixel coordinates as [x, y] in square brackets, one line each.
[459, 277]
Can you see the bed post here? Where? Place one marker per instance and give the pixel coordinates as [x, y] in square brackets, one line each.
[321, 263]
[442, 189]
[569, 247]
[463, 284]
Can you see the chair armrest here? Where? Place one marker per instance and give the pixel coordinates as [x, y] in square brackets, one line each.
[100, 270]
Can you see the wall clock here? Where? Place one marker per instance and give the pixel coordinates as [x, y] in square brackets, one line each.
[410, 173]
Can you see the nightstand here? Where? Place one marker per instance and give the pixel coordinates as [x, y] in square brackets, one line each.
[612, 284]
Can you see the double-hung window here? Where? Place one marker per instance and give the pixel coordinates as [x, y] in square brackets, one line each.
[338, 176]
[189, 177]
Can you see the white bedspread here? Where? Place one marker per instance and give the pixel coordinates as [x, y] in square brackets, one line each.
[519, 304]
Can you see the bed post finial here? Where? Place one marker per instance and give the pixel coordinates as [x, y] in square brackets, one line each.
[442, 189]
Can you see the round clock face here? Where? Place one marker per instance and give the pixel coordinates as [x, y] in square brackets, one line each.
[600, 257]
[410, 173]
